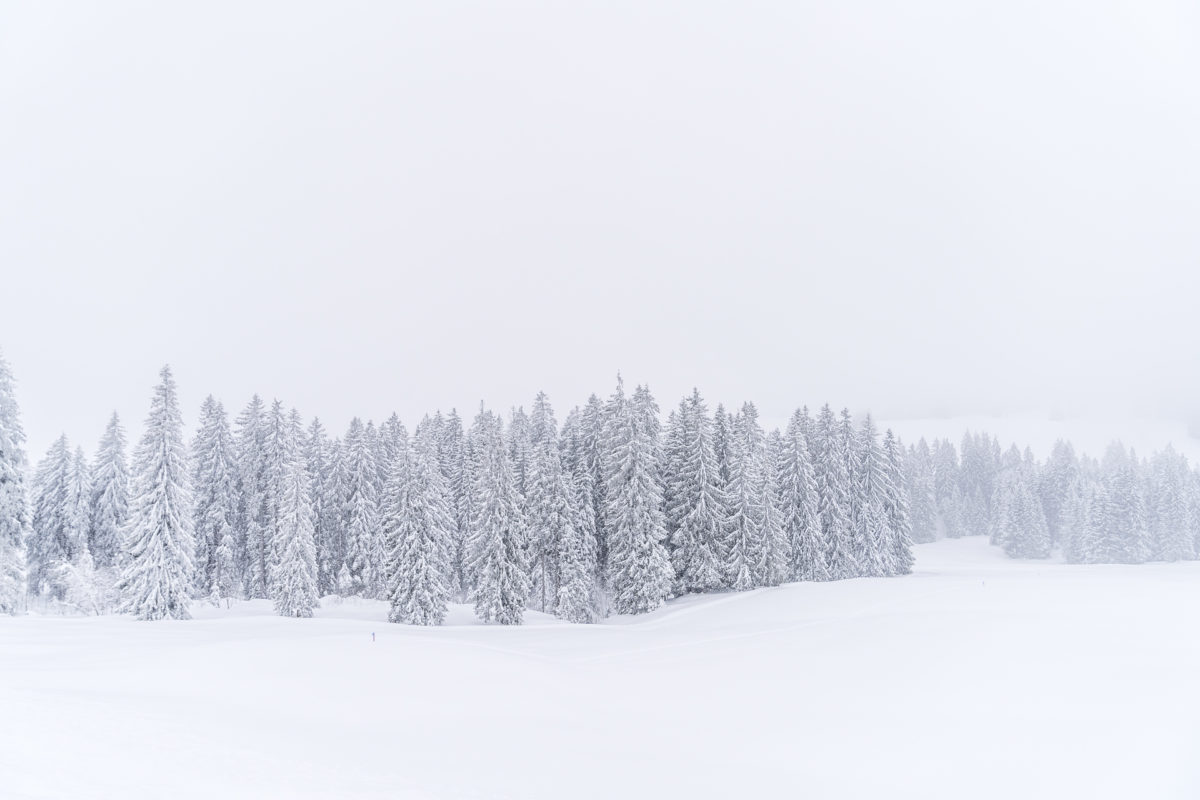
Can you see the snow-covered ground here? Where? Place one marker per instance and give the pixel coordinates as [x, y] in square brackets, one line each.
[975, 677]
[1090, 435]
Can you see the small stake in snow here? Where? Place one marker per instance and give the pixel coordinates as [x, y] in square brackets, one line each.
[372, 636]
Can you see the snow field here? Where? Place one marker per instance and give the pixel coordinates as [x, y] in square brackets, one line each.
[976, 676]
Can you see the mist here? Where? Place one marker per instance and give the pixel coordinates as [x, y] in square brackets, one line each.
[924, 210]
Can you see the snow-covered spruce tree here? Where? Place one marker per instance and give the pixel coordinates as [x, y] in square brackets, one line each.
[294, 573]
[946, 488]
[698, 504]
[547, 505]
[462, 488]
[745, 552]
[722, 436]
[279, 448]
[896, 506]
[314, 445]
[517, 440]
[251, 534]
[871, 534]
[215, 507]
[778, 547]
[420, 534]
[109, 504]
[1127, 506]
[921, 496]
[1170, 498]
[54, 538]
[365, 556]
[593, 427]
[14, 503]
[1010, 474]
[577, 556]
[1061, 470]
[1075, 519]
[833, 496]
[157, 578]
[497, 572]
[1026, 534]
[331, 544]
[799, 504]
[450, 445]
[639, 570]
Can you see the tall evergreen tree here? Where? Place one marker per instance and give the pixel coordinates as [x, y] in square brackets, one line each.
[15, 523]
[799, 504]
[331, 541]
[778, 547]
[745, 556]
[55, 536]
[1171, 535]
[896, 507]
[215, 509]
[157, 579]
[420, 532]
[872, 536]
[921, 493]
[698, 504]
[252, 528]
[833, 496]
[547, 505]
[577, 556]
[294, 571]
[364, 542]
[496, 547]
[638, 569]
[109, 503]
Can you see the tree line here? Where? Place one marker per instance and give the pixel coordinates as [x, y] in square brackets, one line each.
[613, 511]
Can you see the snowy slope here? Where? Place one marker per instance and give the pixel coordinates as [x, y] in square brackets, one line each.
[976, 676]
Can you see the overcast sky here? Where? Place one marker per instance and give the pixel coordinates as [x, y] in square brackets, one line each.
[922, 208]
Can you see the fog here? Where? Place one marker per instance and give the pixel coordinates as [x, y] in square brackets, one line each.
[923, 209]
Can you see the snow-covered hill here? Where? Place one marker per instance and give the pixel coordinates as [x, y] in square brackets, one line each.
[975, 677]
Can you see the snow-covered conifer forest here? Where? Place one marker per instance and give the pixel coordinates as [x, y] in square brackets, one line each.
[576, 401]
[614, 511]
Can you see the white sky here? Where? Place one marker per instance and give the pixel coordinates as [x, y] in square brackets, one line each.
[921, 208]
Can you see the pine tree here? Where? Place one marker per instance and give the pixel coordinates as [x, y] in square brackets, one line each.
[1171, 534]
[833, 496]
[1062, 468]
[800, 504]
[331, 544]
[294, 572]
[15, 523]
[922, 497]
[157, 581]
[1026, 533]
[496, 545]
[946, 488]
[594, 426]
[547, 505]
[577, 556]
[109, 503]
[420, 533]
[53, 541]
[778, 547]
[745, 556]
[364, 546]
[315, 447]
[278, 450]
[214, 484]
[873, 539]
[252, 536]
[698, 504]
[896, 507]
[639, 570]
